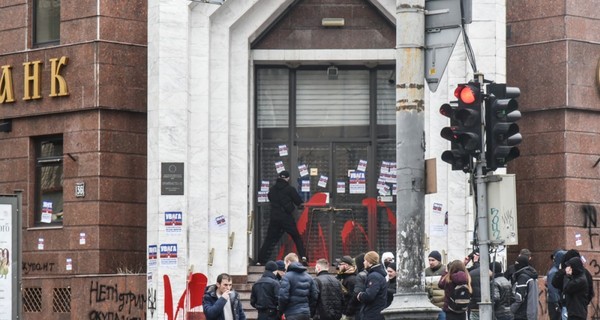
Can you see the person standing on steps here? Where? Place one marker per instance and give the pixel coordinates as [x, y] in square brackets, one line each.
[284, 199]
[265, 292]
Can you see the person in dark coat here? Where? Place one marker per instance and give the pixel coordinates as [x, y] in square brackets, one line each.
[456, 275]
[553, 297]
[575, 289]
[220, 302]
[374, 297]
[298, 292]
[347, 276]
[391, 289]
[284, 199]
[474, 273]
[355, 306]
[331, 298]
[558, 279]
[264, 293]
[525, 290]
[508, 274]
[501, 293]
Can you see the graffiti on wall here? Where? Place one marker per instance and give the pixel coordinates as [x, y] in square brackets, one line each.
[36, 267]
[107, 302]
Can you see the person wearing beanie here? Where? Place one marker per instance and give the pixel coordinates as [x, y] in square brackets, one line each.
[525, 295]
[283, 199]
[508, 274]
[353, 309]
[391, 276]
[433, 274]
[575, 289]
[374, 296]
[501, 291]
[280, 269]
[264, 293]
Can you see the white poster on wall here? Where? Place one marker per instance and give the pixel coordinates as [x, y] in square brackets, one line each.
[6, 257]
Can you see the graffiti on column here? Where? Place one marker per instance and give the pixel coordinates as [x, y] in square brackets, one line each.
[107, 302]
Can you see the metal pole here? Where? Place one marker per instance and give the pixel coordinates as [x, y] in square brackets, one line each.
[410, 301]
[485, 307]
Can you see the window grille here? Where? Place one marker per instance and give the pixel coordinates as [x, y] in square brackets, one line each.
[32, 300]
[61, 300]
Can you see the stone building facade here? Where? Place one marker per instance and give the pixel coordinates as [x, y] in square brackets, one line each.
[73, 143]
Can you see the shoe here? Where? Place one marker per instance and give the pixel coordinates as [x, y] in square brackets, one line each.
[257, 264]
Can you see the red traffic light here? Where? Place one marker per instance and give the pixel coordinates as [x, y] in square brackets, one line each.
[467, 94]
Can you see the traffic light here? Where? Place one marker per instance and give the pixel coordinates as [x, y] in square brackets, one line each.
[502, 133]
[464, 132]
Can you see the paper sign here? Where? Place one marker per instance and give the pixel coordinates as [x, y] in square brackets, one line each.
[263, 196]
[358, 183]
[323, 182]
[168, 254]
[152, 256]
[221, 221]
[394, 189]
[46, 212]
[303, 169]
[578, 241]
[341, 187]
[82, 238]
[305, 186]
[41, 244]
[362, 165]
[380, 183]
[69, 265]
[264, 185]
[173, 222]
[279, 166]
[385, 167]
[283, 150]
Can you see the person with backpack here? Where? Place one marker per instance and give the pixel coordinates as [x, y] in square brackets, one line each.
[525, 290]
[330, 299]
[456, 283]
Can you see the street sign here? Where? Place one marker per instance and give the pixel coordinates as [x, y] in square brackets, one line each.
[502, 209]
[443, 24]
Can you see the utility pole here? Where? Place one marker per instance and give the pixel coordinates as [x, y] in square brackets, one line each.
[410, 301]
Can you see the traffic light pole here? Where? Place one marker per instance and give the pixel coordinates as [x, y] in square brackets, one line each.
[485, 306]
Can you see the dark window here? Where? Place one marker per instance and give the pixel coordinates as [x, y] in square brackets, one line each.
[49, 181]
[46, 17]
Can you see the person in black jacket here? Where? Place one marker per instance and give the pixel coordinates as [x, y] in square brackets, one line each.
[525, 290]
[347, 276]
[264, 293]
[501, 293]
[390, 268]
[575, 289]
[355, 306]
[331, 299]
[284, 199]
[374, 297]
[559, 276]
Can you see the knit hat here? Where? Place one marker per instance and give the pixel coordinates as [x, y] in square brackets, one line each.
[391, 265]
[522, 262]
[271, 266]
[436, 255]
[372, 257]
[496, 267]
[280, 265]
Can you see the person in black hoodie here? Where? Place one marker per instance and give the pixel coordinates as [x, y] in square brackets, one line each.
[559, 276]
[374, 297]
[575, 289]
[525, 290]
[284, 199]
[501, 293]
[264, 293]
[354, 307]
[391, 290]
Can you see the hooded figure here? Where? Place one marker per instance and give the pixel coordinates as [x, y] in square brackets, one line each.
[525, 290]
[501, 293]
[575, 289]
[554, 293]
[558, 279]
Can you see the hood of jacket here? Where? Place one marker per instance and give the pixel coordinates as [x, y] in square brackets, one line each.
[576, 265]
[558, 257]
[296, 267]
[459, 277]
[528, 270]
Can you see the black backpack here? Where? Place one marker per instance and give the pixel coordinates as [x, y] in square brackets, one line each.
[459, 299]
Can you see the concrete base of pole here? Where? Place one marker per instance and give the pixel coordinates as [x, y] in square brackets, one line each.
[411, 306]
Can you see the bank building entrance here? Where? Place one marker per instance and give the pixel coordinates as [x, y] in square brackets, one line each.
[333, 128]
